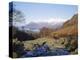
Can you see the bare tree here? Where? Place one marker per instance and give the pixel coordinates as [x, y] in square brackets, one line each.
[16, 17]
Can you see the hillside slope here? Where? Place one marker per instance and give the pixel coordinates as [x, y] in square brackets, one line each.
[70, 27]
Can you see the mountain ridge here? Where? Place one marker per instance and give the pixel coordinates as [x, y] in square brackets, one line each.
[70, 27]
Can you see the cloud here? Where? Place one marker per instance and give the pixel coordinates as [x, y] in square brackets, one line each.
[50, 20]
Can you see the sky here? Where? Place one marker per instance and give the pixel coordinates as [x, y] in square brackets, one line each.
[42, 12]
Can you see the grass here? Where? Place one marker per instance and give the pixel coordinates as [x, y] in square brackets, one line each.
[52, 43]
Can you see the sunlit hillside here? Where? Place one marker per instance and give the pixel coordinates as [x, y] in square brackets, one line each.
[69, 28]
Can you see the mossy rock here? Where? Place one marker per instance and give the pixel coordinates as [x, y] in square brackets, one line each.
[15, 55]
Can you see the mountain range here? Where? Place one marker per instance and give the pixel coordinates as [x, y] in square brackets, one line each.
[37, 26]
[70, 27]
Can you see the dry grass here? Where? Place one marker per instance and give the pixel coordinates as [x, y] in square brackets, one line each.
[72, 30]
[52, 43]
